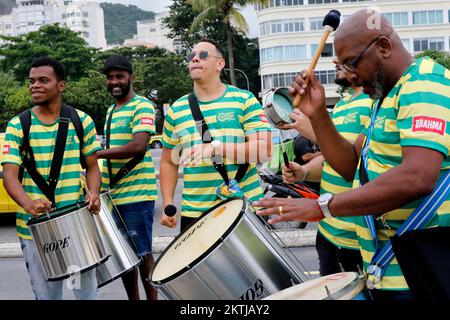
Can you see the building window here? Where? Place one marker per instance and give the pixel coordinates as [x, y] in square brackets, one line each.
[354, 0]
[278, 80]
[280, 53]
[322, 1]
[328, 50]
[64, 16]
[423, 44]
[85, 14]
[276, 26]
[280, 3]
[406, 44]
[85, 24]
[326, 76]
[315, 24]
[427, 17]
[397, 18]
[85, 34]
[293, 25]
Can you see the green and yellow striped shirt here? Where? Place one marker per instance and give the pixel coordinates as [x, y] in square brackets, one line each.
[230, 118]
[350, 116]
[416, 112]
[42, 141]
[138, 115]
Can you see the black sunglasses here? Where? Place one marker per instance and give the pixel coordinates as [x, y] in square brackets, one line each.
[202, 55]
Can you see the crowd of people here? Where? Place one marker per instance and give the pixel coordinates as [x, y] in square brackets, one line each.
[382, 150]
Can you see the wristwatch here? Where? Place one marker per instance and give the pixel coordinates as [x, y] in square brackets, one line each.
[323, 201]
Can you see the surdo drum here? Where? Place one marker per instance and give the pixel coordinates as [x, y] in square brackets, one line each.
[338, 286]
[225, 254]
[117, 242]
[68, 241]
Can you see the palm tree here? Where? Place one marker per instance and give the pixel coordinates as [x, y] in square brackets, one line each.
[233, 19]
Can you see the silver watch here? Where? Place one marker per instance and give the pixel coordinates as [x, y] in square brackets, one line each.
[323, 201]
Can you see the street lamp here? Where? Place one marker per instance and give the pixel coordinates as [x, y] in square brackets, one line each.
[246, 78]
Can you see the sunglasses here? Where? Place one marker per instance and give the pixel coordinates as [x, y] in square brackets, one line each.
[202, 55]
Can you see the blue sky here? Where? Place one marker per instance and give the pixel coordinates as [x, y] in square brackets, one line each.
[162, 5]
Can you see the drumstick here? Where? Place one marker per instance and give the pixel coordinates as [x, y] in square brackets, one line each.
[330, 23]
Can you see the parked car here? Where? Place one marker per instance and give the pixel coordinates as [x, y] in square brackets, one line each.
[155, 141]
[7, 205]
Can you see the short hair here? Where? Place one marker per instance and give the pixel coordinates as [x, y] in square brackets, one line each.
[57, 66]
[117, 61]
[215, 44]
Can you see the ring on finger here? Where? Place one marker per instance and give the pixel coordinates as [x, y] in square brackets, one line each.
[280, 210]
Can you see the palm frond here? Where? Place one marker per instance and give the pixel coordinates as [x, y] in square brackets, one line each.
[205, 15]
[237, 20]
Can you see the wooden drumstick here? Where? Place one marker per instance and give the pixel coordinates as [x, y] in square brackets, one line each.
[330, 23]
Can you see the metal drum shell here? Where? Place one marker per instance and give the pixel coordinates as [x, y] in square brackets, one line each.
[77, 242]
[229, 270]
[270, 109]
[117, 243]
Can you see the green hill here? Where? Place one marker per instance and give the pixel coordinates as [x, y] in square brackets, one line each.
[6, 6]
[120, 21]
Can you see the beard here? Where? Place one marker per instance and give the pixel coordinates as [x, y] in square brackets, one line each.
[343, 82]
[122, 93]
[376, 84]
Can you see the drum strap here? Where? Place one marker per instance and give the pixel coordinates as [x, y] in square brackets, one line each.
[416, 220]
[202, 128]
[29, 163]
[113, 180]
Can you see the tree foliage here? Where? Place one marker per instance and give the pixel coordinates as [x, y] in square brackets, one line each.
[229, 10]
[50, 40]
[441, 57]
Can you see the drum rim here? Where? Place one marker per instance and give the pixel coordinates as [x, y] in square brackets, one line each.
[85, 269]
[207, 252]
[61, 211]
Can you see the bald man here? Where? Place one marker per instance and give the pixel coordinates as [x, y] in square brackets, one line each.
[406, 145]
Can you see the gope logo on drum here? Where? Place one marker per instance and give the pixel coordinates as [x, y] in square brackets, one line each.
[56, 245]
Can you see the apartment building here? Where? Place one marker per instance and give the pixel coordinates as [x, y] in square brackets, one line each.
[289, 31]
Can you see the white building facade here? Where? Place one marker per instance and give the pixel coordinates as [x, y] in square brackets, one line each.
[153, 32]
[85, 17]
[289, 31]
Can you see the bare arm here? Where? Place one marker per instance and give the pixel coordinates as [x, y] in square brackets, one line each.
[17, 193]
[93, 178]
[257, 149]
[138, 145]
[311, 171]
[413, 179]
[168, 182]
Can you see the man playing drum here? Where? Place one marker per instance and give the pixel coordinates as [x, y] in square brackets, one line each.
[236, 124]
[128, 167]
[336, 241]
[46, 84]
[405, 146]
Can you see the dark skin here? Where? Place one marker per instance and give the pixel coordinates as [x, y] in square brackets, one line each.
[379, 195]
[117, 82]
[46, 89]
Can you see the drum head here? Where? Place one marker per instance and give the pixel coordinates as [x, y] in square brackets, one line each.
[341, 286]
[198, 240]
[282, 103]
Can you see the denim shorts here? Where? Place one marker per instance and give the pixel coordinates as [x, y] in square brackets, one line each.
[138, 218]
[83, 286]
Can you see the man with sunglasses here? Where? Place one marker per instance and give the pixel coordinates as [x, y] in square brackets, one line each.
[404, 149]
[239, 131]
